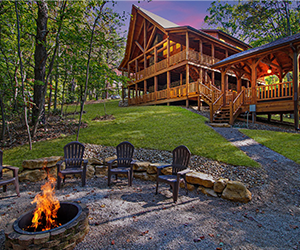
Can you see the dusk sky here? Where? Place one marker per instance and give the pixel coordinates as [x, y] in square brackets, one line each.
[190, 13]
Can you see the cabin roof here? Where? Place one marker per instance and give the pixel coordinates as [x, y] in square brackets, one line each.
[257, 50]
[161, 21]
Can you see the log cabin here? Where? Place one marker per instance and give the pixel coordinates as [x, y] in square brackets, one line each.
[167, 63]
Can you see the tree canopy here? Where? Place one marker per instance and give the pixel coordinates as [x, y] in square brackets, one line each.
[255, 21]
[54, 49]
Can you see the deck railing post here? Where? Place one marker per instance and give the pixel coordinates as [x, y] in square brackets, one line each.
[231, 112]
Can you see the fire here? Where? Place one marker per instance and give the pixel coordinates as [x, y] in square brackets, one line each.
[47, 205]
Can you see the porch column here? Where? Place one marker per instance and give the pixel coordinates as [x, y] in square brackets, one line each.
[155, 57]
[295, 85]
[187, 79]
[155, 87]
[213, 77]
[223, 84]
[180, 78]
[253, 82]
[213, 52]
[168, 83]
[239, 84]
[187, 45]
[168, 51]
[200, 51]
[136, 69]
[145, 90]
[145, 44]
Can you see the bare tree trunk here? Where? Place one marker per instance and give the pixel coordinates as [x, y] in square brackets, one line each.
[21, 69]
[50, 95]
[87, 68]
[40, 58]
[56, 87]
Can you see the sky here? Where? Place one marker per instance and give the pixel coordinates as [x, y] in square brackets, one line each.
[183, 13]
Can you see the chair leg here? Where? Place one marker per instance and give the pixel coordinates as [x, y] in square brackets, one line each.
[17, 187]
[109, 178]
[175, 191]
[130, 174]
[58, 181]
[156, 187]
[186, 189]
[4, 188]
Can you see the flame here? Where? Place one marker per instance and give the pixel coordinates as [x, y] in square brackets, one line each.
[47, 205]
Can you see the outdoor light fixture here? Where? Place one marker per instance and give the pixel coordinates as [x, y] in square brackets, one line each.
[269, 70]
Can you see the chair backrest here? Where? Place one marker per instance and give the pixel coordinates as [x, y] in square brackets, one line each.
[181, 159]
[1, 163]
[73, 153]
[124, 154]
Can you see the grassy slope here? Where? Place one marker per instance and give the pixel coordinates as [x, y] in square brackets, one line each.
[287, 144]
[156, 127]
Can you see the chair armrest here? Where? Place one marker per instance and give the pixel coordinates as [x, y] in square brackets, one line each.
[184, 172]
[159, 168]
[109, 163]
[58, 165]
[14, 169]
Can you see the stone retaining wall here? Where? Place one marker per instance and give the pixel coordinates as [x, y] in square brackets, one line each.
[224, 188]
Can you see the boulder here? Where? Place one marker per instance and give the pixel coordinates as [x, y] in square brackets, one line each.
[200, 179]
[90, 171]
[101, 170]
[144, 176]
[236, 191]
[95, 161]
[141, 166]
[207, 191]
[110, 158]
[152, 168]
[33, 175]
[220, 185]
[41, 162]
[190, 187]
[167, 171]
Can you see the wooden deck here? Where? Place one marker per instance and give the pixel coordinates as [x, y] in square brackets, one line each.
[270, 99]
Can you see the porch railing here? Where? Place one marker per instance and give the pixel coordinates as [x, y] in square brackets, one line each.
[274, 91]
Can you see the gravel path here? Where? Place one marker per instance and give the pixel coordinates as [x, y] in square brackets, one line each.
[123, 217]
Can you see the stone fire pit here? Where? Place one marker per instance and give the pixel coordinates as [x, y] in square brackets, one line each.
[74, 220]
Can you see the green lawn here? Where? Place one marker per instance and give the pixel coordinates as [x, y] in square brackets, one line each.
[153, 127]
[287, 144]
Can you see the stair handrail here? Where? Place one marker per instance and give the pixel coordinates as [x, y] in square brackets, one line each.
[207, 93]
[216, 106]
[235, 105]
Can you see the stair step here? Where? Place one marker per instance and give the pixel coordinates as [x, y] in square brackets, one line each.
[220, 125]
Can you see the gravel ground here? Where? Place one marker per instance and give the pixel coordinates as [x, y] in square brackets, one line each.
[123, 217]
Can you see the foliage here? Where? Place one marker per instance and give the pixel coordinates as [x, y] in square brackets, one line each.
[255, 21]
[153, 127]
[68, 33]
[286, 144]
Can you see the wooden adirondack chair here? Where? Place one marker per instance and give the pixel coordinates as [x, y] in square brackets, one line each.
[4, 181]
[75, 164]
[181, 159]
[124, 162]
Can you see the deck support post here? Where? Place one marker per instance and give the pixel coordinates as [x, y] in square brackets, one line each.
[281, 117]
[187, 103]
[145, 90]
[155, 87]
[223, 83]
[295, 85]
[269, 117]
[168, 83]
[199, 103]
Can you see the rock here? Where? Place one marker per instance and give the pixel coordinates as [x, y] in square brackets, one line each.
[190, 187]
[40, 163]
[207, 191]
[101, 170]
[90, 171]
[144, 176]
[152, 168]
[167, 171]
[110, 158]
[220, 185]
[236, 191]
[200, 179]
[141, 166]
[95, 161]
[33, 175]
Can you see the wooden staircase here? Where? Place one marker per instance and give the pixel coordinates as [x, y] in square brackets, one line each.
[222, 115]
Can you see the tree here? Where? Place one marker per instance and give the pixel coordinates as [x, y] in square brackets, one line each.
[255, 22]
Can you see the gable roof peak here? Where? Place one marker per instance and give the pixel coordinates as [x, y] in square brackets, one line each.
[159, 20]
